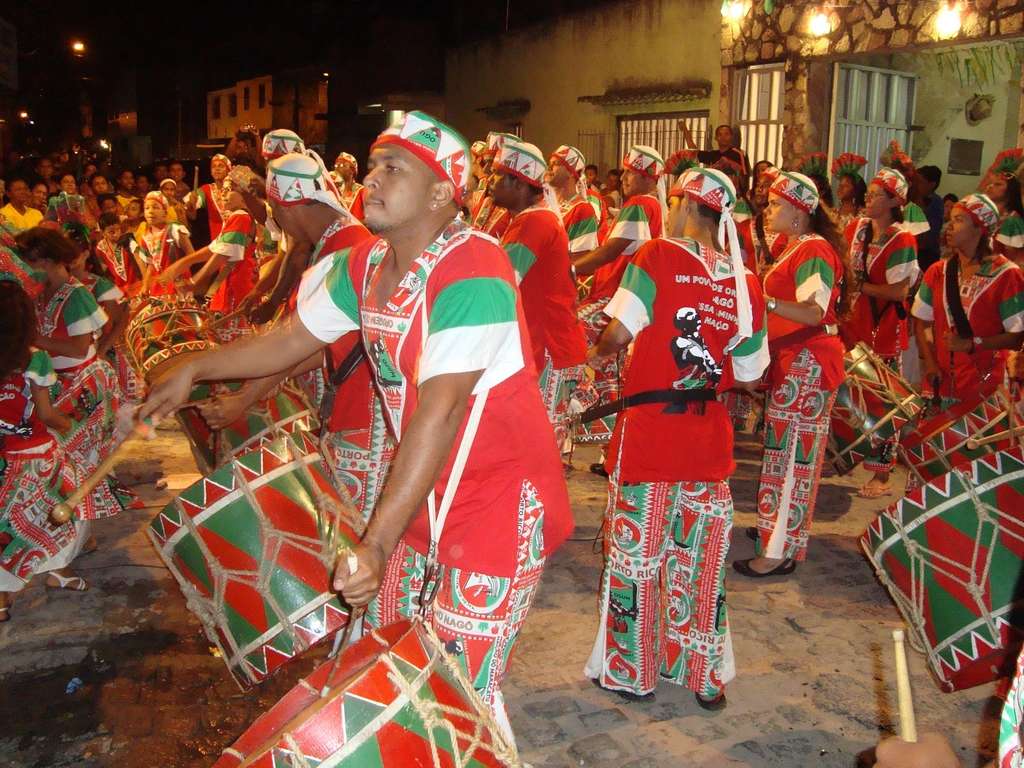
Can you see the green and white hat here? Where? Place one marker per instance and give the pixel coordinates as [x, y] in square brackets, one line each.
[714, 188]
[293, 179]
[645, 160]
[796, 189]
[522, 160]
[281, 141]
[440, 146]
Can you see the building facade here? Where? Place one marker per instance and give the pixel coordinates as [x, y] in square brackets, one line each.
[247, 102]
[943, 80]
[623, 73]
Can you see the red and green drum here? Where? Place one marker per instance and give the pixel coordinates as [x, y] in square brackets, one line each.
[252, 546]
[872, 405]
[394, 699]
[951, 554]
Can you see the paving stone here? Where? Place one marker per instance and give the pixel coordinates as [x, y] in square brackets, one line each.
[596, 750]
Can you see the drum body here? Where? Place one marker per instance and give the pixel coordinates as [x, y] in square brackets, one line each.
[871, 406]
[388, 700]
[286, 411]
[950, 554]
[941, 442]
[252, 546]
[162, 329]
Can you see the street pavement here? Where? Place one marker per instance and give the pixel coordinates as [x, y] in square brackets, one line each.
[815, 681]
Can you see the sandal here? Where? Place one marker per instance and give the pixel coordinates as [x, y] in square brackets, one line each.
[73, 583]
[5, 613]
[784, 568]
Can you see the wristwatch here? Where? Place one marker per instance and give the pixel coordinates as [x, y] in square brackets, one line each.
[770, 303]
[977, 342]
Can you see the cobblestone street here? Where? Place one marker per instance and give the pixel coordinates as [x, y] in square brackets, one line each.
[815, 684]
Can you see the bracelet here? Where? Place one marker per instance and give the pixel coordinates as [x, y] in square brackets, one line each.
[770, 304]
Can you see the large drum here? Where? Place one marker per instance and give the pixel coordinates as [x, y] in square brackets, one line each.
[953, 438]
[394, 699]
[871, 407]
[162, 329]
[252, 547]
[286, 411]
[950, 554]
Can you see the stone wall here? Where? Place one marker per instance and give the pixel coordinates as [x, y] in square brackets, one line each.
[866, 26]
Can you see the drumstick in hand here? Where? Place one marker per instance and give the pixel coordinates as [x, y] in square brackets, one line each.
[908, 725]
[342, 637]
[61, 513]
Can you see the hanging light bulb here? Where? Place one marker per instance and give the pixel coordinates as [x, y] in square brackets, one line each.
[820, 24]
[734, 10]
[947, 22]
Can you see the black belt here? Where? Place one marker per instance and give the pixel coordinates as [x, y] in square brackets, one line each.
[336, 377]
[678, 400]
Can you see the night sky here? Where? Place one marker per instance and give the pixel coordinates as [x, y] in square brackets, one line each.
[152, 57]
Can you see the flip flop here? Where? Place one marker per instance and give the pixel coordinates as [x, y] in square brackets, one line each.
[73, 583]
[5, 613]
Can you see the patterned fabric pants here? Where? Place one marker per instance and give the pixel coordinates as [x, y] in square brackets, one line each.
[359, 460]
[605, 386]
[91, 396]
[663, 589]
[882, 457]
[30, 542]
[795, 433]
[556, 388]
[478, 616]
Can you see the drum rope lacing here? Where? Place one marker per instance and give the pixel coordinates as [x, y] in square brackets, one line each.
[912, 608]
[210, 610]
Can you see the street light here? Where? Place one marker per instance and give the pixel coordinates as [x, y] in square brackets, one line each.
[78, 47]
[23, 115]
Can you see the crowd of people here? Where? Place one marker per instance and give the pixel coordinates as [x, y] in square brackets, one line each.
[467, 314]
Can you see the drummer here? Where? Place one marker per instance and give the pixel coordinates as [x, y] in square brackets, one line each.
[354, 437]
[965, 345]
[883, 256]
[461, 396]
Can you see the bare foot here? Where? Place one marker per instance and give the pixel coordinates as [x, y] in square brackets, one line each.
[874, 488]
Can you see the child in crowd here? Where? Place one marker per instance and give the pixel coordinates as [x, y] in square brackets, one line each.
[34, 477]
[161, 243]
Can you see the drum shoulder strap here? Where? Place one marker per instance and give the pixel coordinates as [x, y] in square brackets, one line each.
[953, 302]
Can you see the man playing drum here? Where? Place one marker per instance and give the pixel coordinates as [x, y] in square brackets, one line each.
[437, 307]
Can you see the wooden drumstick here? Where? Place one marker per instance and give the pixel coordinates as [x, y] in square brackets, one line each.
[195, 181]
[908, 725]
[61, 513]
[342, 637]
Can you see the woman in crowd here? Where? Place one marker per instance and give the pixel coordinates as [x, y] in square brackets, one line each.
[883, 256]
[69, 320]
[851, 188]
[804, 297]
[970, 338]
[1003, 188]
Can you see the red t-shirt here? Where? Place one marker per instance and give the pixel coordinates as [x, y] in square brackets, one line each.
[809, 268]
[22, 432]
[638, 221]
[476, 322]
[678, 299]
[538, 248]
